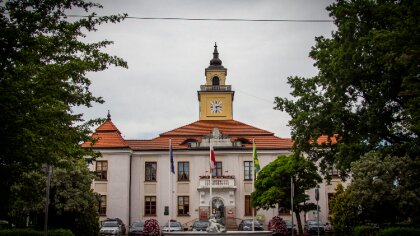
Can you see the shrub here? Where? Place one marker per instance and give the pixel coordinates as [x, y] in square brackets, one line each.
[32, 232]
[365, 230]
[151, 227]
[399, 231]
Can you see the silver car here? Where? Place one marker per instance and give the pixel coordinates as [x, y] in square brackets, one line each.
[110, 228]
[175, 226]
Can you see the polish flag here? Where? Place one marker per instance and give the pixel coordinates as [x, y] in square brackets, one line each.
[212, 158]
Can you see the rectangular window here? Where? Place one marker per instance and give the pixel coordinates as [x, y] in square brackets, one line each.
[150, 171]
[101, 170]
[183, 205]
[284, 211]
[150, 205]
[218, 170]
[332, 171]
[248, 170]
[183, 171]
[102, 206]
[248, 206]
[330, 201]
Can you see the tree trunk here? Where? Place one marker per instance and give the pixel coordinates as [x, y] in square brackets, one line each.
[297, 214]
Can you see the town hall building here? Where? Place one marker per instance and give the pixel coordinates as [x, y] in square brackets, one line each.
[134, 178]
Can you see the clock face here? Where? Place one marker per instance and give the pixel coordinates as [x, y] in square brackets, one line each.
[216, 106]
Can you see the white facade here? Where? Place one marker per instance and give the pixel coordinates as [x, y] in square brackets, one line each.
[126, 201]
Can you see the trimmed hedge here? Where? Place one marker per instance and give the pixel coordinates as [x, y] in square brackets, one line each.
[32, 232]
[365, 230]
[400, 231]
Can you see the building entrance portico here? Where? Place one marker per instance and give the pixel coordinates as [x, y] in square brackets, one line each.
[218, 208]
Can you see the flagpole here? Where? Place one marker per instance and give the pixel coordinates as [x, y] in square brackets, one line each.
[253, 177]
[170, 185]
[211, 193]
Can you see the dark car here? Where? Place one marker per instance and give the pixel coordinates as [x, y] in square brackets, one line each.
[120, 223]
[136, 228]
[200, 226]
[246, 225]
[312, 226]
[290, 227]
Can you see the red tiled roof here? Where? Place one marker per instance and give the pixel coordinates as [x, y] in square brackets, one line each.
[227, 127]
[235, 129]
[107, 136]
[324, 139]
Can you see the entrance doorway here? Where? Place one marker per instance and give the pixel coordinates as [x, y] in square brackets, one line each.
[219, 210]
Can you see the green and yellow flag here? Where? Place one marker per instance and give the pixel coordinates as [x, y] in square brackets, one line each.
[255, 158]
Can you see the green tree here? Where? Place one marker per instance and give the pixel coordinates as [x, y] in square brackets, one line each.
[366, 93]
[43, 67]
[345, 212]
[273, 187]
[73, 204]
[386, 188]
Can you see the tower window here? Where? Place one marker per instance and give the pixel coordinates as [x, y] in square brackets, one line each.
[215, 81]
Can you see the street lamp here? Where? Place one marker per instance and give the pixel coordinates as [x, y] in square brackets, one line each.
[317, 206]
[292, 193]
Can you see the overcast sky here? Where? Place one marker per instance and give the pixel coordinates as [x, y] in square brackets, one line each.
[166, 60]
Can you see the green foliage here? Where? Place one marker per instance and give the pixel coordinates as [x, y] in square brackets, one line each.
[344, 212]
[272, 186]
[32, 232]
[367, 92]
[73, 205]
[399, 231]
[386, 188]
[365, 230]
[43, 77]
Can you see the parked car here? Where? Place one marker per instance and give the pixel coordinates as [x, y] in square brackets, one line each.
[175, 227]
[312, 226]
[110, 228]
[200, 226]
[328, 229]
[136, 228]
[246, 225]
[119, 222]
[290, 227]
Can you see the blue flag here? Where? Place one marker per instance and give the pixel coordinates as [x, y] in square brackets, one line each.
[172, 157]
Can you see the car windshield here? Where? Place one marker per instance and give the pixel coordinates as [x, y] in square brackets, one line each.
[249, 222]
[288, 223]
[137, 224]
[110, 224]
[201, 224]
[314, 223]
[173, 224]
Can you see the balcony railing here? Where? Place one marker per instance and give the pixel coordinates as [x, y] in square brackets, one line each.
[215, 87]
[217, 183]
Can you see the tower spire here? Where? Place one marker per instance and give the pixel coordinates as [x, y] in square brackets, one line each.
[215, 61]
[108, 117]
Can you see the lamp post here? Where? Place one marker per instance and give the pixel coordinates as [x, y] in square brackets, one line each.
[317, 206]
[47, 198]
[292, 193]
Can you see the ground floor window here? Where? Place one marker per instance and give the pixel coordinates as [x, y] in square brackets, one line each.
[150, 205]
[284, 211]
[102, 205]
[183, 205]
[248, 206]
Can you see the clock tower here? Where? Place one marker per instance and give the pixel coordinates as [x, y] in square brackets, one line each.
[215, 97]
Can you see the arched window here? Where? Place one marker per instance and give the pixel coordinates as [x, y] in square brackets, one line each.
[215, 81]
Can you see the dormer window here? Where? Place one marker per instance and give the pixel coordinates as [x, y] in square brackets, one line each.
[215, 81]
[190, 142]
